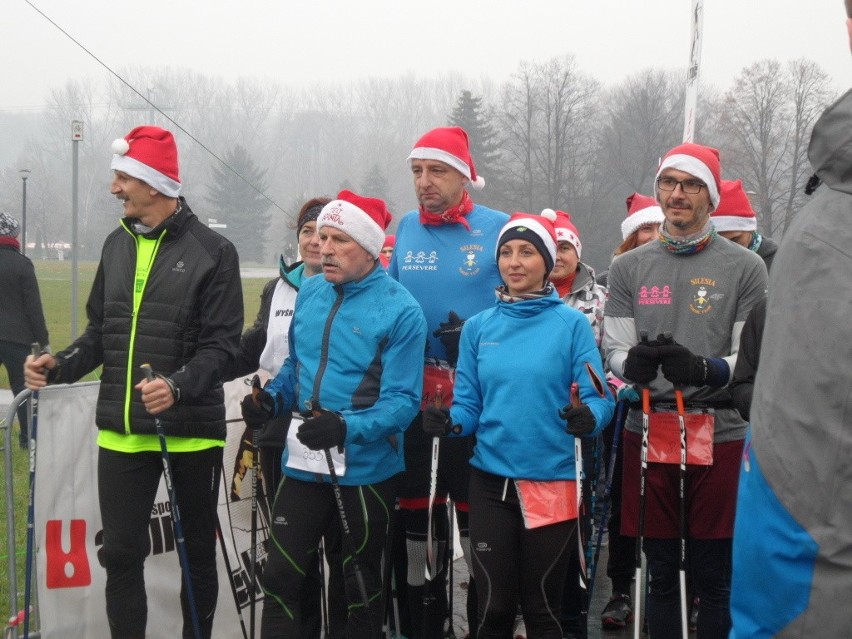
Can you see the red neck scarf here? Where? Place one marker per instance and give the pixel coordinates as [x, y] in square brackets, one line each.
[8, 240]
[453, 215]
[564, 285]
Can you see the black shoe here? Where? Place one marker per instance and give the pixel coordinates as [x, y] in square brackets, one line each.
[618, 611]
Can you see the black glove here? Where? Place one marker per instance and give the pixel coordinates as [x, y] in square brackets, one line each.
[436, 421]
[326, 430]
[580, 420]
[683, 368]
[449, 334]
[257, 410]
[642, 363]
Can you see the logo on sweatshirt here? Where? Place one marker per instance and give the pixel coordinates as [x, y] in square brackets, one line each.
[420, 261]
[704, 295]
[471, 253]
[655, 295]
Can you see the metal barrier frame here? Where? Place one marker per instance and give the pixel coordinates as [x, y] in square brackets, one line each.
[12, 631]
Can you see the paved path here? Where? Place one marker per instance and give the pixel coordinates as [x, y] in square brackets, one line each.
[599, 600]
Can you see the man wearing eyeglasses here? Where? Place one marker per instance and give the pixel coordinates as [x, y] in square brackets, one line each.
[690, 292]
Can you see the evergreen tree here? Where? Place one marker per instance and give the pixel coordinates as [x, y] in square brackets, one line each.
[239, 203]
[470, 114]
[375, 184]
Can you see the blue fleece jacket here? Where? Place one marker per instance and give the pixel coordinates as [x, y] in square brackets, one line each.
[516, 365]
[357, 349]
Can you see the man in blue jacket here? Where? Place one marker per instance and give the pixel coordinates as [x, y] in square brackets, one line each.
[444, 256]
[356, 378]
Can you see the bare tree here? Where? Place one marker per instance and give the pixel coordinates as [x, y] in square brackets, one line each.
[765, 121]
[643, 121]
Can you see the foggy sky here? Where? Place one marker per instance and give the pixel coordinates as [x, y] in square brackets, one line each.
[310, 41]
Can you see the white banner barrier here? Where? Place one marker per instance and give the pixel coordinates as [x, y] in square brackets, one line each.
[70, 579]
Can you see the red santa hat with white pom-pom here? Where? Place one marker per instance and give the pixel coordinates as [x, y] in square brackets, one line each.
[642, 210]
[450, 145]
[565, 230]
[538, 230]
[734, 212]
[364, 219]
[149, 153]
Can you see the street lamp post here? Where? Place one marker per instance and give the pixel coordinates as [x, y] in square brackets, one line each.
[25, 173]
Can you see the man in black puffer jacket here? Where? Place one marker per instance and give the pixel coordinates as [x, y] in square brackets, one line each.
[167, 293]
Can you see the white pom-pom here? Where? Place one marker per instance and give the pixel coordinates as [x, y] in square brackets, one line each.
[478, 183]
[549, 214]
[120, 146]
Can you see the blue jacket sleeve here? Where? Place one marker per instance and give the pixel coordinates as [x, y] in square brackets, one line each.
[588, 372]
[467, 393]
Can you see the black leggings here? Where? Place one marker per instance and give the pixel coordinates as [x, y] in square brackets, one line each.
[302, 512]
[512, 563]
[710, 566]
[127, 486]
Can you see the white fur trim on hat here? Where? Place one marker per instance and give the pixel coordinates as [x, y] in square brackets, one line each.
[692, 165]
[355, 222]
[643, 217]
[734, 223]
[153, 178]
[536, 227]
[431, 153]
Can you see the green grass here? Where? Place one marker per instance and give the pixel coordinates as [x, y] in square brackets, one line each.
[54, 279]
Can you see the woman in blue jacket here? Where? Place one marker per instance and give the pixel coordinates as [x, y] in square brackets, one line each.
[517, 362]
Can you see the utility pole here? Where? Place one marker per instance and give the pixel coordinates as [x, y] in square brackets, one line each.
[76, 137]
[25, 173]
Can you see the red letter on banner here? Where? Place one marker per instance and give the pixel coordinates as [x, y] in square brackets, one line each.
[67, 569]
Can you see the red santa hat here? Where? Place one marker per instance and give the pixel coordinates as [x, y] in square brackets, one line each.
[642, 210]
[451, 146]
[565, 230]
[149, 153]
[364, 219]
[734, 212]
[538, 230]
[700, 161]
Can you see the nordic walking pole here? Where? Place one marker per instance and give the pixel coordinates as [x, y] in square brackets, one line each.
[323, 592]
[255, 389]
[581, 553]
[681, 417]
[28, 574]
[431, 555]
[344, 520]
[176, 522]
[450, 632]
[620, 416]
[643, 478]
[221, 537]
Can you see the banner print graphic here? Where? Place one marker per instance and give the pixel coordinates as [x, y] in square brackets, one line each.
[70, 577]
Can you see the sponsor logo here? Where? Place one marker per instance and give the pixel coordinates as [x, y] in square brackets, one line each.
[179, 267]
[482, 546]
[284, 312]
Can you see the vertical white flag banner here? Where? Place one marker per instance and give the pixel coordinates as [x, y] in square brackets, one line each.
[68, 533]
[691, 97]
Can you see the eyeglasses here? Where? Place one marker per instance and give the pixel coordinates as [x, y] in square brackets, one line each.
[687, 186]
